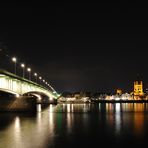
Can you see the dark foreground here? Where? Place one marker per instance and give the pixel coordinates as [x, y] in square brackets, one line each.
[77, 125]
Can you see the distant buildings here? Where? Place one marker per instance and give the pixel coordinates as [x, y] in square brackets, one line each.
[137, 94]
[138, 88]
[119, 91]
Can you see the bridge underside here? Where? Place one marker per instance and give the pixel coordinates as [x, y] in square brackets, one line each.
[41, 97]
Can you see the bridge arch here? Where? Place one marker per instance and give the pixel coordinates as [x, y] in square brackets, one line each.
[20, 85]
[41, 96]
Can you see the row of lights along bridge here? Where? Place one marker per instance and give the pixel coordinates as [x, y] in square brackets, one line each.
[14, 59]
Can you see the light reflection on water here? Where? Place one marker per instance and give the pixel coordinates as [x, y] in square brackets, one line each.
[63, 123]
[118, 117]
[17, 132]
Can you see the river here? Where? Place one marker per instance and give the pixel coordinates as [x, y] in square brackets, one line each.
[76, 125]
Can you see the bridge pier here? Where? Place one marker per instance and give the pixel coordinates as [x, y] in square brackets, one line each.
[12, 102]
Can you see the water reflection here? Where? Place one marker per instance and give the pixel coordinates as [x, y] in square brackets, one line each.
[51, 121]
[130, 115]
[39, 109]
[69, 122]
[118, 117]
[17, 132]
[51, 124]
[139, 123]
[69, 108]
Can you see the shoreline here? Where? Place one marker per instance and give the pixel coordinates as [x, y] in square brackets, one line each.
[119, 101]
[104, 101]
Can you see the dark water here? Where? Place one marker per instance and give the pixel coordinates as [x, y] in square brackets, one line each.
[76, 125]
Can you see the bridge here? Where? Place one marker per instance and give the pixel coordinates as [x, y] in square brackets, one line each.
[20, 85]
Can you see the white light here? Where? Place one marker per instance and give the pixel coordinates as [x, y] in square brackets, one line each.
[123, 98]
[43, 80]
[51, 99]
[23, 65]
[39, 109]
[40, 78]
[38, 96]
[17, 95]
[17, 123]
[35, 74]
[14, 59]
[29, 69]
[117, 98]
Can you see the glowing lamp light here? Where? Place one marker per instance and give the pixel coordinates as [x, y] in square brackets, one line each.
[35, 74]
[14, 59]
[51, 99]
[117, 98]
[29, 69]
[17, 95]
[22, 65]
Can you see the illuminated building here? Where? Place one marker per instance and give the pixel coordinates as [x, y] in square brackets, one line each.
[138, 88]
[119, 91]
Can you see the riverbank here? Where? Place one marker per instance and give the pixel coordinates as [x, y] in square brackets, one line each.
[73, 102]
[119, 101]
[103, 101]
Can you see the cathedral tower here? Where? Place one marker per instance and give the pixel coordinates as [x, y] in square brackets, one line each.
[138, 87]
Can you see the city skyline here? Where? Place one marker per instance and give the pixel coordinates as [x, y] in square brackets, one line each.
[92, 47]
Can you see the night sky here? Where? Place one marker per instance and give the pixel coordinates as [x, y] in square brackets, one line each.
[79, 46]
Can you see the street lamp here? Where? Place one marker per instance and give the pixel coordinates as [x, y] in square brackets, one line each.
[23, 65]
[43, 82]
[40, 79]
[29, 70]
[35, 74]
[14, 60]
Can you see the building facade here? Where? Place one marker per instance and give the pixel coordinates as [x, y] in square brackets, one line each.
[138, 88]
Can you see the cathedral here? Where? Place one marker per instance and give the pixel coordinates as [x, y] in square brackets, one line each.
[138, 88]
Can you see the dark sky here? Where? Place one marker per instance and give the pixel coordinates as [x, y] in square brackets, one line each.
[79, 46]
